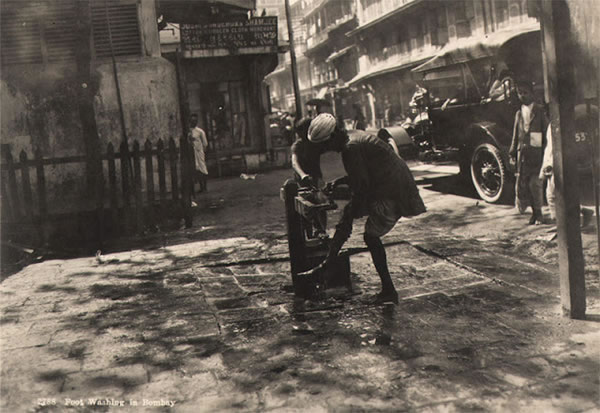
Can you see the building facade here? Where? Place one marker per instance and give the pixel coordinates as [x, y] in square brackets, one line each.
[280, 80]
[223, 59]
[364, 50]
[395, 37]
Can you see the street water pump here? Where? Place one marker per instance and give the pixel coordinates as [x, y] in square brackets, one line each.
[306, 216]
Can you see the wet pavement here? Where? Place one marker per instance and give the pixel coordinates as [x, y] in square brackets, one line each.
[205, 320]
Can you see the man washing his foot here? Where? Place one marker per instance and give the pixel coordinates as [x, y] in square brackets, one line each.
[382, 186]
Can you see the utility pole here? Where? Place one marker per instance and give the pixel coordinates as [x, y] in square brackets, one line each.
[293, 59]
[559, 73]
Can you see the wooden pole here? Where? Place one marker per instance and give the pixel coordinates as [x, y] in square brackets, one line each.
[115, 73]
[184, 147]
[298, 101]
[560, 79]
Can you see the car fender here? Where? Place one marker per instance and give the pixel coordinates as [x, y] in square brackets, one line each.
[489, 132]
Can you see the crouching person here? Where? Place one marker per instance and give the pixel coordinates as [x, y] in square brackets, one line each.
[383, 189]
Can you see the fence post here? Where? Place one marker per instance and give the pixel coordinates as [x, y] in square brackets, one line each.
[7, 207]
[186, 180]
[41, 184]
[41, 195]
[99, 195]
[12, 186]
[149, 172]
[27, 196]
[112, 184]
[126, 182]
[162, 184]
[137, 186]
[150, 184]
[173, 165]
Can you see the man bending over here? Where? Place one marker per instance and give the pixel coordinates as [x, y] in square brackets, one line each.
[382, 186]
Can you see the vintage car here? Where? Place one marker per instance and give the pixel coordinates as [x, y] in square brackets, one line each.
[473, 126]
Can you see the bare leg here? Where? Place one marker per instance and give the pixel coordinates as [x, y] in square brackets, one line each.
[343, 230]
[379, 257]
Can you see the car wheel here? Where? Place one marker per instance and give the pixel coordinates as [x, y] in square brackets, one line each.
[490, 174]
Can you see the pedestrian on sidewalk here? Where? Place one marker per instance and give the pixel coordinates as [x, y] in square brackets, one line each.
[383, 189]
[526, 152]
[197, 138]
[358, 122]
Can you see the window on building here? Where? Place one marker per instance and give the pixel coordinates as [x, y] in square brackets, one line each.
[439, 26]
[34, 32]
[501, 9]
[403, 39]
[464, 12]
[124, 28]
[421, 29]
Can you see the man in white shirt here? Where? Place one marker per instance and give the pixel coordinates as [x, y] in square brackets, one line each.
[198, 140]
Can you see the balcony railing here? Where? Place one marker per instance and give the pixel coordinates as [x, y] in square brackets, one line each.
[395, 55]
[341, 20]
[316, 39]
[380, 8]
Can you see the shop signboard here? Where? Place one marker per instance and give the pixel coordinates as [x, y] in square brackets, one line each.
[255, 34]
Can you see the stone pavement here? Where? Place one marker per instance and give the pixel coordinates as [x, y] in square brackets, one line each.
[210, 324]
[169, 325]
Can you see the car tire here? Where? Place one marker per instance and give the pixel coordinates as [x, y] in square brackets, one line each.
[490, 175]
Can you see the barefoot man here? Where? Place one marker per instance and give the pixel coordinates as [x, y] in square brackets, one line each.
[383, 189]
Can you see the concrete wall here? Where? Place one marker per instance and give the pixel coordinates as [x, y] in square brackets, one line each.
[38, 104]
[39, 107]
[150, 101]
[39, 110]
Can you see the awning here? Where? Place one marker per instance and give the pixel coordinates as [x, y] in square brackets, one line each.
[443, 74]
[242, 4]
[322, 92]
[385, 69]
[187, 11]
[398, 10]
[472, 48]
[339, 53]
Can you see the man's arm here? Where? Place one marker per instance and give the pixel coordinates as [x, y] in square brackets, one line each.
[305, 179]
[297, 168]
[547, 162]
[514, 144]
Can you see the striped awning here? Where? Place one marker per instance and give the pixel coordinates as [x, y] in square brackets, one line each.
[472, 48]
[339, 53]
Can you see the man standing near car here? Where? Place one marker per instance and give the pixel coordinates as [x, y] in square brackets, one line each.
[382, 187]
[527, 151]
